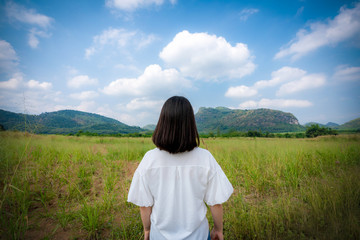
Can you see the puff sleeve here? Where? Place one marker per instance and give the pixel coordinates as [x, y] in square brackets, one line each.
[219, 188]
[139, 192]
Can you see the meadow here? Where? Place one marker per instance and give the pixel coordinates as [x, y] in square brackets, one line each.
[68, 187]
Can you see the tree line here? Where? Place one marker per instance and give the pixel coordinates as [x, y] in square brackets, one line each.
[311, 131]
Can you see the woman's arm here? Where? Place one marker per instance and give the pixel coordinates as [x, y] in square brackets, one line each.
[217, 214]
[145, 218]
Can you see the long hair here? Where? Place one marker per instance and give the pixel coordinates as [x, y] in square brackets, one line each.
[176, 130]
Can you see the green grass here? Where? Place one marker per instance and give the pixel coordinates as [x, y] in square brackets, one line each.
[56, 187]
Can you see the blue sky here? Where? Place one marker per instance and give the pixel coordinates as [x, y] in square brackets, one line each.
[124, 58]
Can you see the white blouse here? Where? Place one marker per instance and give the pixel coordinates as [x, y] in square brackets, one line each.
[177, 186]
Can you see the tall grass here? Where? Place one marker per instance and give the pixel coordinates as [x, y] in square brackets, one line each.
[291, 188]
[55, 187]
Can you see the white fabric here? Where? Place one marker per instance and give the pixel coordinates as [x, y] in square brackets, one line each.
[177, 187]
[202, 232]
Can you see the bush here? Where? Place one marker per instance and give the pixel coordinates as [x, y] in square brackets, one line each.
[254, 134]
[300, 135]
[315, 130]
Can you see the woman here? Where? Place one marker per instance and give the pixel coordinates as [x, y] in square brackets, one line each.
[174, 181]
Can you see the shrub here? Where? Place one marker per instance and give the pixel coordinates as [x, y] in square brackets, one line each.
[315, 130]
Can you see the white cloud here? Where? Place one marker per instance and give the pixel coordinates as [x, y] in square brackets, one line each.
[16, 12]
[344, 73]
[291, 79]
[247, 12]
[140, 110]
[137, 112]
[37, 85]
[344, 26]
[72, 71]
[89, 52]
[17, 81]
[33, 37]
[8, 57]
[282, 75]
[30, 16]
[240, 92]
[306, 82]
[146, 40]
[131, 5]
[30, 101]
[120, 38]
[86, 106]
[7, 52]
[85, 95]
[144, 103]
[129, 119]
[207, 57]
[12, 83]
[275, 103]
[81, 80]
[153, 81]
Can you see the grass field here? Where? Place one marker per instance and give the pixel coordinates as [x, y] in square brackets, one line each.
[61, 187]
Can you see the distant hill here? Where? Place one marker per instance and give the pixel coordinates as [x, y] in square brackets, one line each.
[329, 125]
[332, 125]
[266, 120]
[64, 122]
[214, 120]
[351, 125]
[150, 127]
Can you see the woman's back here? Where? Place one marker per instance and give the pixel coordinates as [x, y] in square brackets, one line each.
[176, 185]
[175, 180]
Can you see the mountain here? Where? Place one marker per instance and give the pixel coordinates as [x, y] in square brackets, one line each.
[150, 127]
[308, 124]
[266, 120]
[329, 125]
[214, 120]
[64, 122]
[332, 125]
[351, 125]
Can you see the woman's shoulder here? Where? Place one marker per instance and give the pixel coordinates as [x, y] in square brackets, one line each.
[206, 156]
[151, 155]
[202, 151]
[152, 152]
[147, 159]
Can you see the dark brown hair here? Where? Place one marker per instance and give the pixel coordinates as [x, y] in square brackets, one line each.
[176, 130]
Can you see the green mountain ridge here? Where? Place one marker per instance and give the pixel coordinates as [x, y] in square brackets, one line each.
[351, 125]
[150, 127]
[222, 119]
[329, 124]
[64, 122]
[216, 120]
